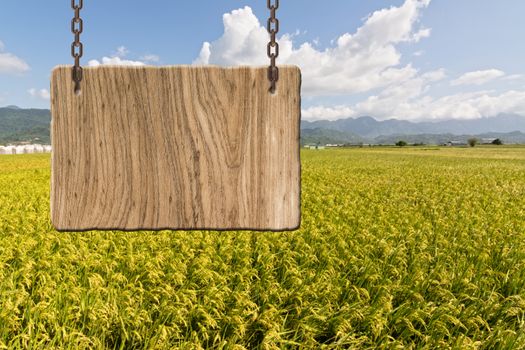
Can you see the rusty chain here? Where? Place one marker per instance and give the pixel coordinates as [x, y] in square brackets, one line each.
[273, 45]
[77, 49]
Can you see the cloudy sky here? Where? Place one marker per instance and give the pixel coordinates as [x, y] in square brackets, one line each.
[404, 59]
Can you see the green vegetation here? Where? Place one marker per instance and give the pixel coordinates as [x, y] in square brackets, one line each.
[399, 249]
[19, 125]
[324, 136]
[472, 142]
[401, 143]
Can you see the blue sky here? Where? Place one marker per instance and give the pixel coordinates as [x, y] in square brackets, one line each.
[407, 59]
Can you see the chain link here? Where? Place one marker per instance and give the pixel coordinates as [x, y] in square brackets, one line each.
[77, 49]
[273, 45]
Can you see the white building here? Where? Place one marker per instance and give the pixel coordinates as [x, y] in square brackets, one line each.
[24, 149]
[487, 141]
[20, 149]
[314, 147]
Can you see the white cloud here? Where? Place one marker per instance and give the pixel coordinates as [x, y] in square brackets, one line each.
[328, 113]
[423, 33]
[434, 76]
[150, 58]
[397, 99]
[42, 93]
[114, 61]
[243, 42]
[122, 51]
[478, 77]
[117, 59]
[410, 100]
[424, 107]
[204, 55]
[11, 64]
[357, 62]
[514, 77]
[478, 104]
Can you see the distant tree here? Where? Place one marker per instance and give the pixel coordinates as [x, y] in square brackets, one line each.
[401, 143]
[497, 142]
[472, 142]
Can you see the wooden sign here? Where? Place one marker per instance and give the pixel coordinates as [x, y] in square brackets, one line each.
[175, 148]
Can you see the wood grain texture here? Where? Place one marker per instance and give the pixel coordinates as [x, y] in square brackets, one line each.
[178, 147]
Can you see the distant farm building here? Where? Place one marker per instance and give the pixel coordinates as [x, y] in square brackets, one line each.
[455, 143]
[24, 149]
[314, 147]
[7, 150]
[487, 141]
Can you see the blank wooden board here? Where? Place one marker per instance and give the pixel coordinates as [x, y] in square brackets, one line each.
[181, 147]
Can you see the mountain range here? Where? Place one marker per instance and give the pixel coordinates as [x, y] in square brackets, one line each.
[369, 127]
[508, 127]
[33, 125]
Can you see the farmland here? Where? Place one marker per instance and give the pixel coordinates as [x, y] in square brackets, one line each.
[398, 249]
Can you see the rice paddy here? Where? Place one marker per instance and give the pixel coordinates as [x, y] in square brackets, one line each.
[414, 248]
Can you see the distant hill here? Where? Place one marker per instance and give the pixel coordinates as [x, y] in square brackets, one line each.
[33, 125]
[369, 127]
[509, 128]
[19, 125]
[326, 136]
